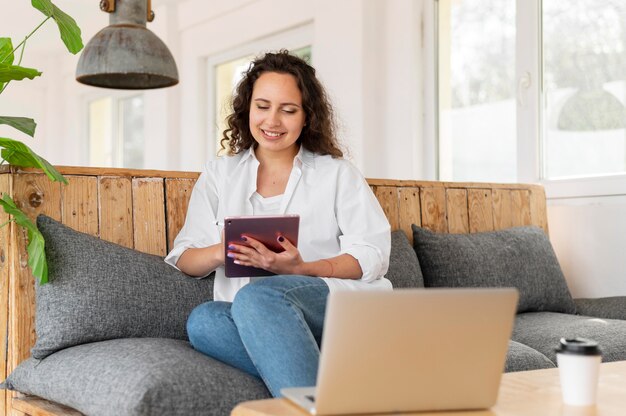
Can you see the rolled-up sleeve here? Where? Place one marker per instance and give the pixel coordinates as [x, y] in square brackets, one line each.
[200, 228]
[366, 233]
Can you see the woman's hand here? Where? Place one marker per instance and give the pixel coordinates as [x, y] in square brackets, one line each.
[259, 256]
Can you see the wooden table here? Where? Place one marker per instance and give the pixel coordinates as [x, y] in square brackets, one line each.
[526, 393]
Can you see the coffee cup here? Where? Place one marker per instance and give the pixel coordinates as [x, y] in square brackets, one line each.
[579, 367]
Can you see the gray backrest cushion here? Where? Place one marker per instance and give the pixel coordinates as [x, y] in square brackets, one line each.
[99, 290]
[404, 268]
[520, 257]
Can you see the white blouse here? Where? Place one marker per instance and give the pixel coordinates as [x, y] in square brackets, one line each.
[339, 214]
[265, 206]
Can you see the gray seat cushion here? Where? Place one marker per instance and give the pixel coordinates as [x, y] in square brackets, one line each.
[521, 357]
[520, 257]
[137, 376]
[404, 268]
[542, 331]
[100, 290]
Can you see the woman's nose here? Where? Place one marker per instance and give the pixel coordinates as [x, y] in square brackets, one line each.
[273, 118]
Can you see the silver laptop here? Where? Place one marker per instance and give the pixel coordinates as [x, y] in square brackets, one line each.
[410, 350]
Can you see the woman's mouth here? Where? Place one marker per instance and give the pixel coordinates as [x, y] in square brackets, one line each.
[272, 135]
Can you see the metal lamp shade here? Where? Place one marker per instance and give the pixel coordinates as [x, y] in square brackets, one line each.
[126, 55]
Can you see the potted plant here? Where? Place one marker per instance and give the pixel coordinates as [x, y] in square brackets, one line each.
[17, 153]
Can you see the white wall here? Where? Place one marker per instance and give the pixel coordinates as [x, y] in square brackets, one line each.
[371, 56]
[588, 235]
[28, 101]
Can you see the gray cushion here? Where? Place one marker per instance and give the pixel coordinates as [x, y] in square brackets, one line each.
[137, 376]
[520, 257]
[404, 268]
[100, 290]
[613, 307]
[542, 331]
[521, 357]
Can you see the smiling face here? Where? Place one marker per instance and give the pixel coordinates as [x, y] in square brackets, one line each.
[276, 113]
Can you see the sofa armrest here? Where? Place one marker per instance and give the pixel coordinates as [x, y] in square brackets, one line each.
[608, 308]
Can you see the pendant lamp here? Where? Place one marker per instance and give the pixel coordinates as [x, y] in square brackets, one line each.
[125, 54]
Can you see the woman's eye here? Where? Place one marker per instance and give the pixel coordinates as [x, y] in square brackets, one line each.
[261, 107]
[289, 111]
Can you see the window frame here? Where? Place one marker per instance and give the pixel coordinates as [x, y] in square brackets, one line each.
[116, 97]
[530, 97]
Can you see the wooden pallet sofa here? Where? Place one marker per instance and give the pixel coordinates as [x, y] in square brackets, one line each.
[143, 210]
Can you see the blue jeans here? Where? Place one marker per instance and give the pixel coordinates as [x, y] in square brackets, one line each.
[271, 330]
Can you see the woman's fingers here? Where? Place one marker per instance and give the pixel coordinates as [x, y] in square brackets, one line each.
[253, 254]
[256, 254]
[285, 243]
[257, 245]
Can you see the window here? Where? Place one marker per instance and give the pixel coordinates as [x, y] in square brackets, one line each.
[477, 114]
[116, 134]
[225, 70]
[584, 71]
[531, 90]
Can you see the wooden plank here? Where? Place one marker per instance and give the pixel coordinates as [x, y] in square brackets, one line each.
[149, 216]
[177, 194]
[35, 194]
[502, 209]
[116, 210]
[538, 209]
[5, 235]
[433, 203]
[388, 198]
[409, 210]
[80, 204]
[36, 406]
[520, 208]
[145, 173]
[403, 183]
[118, 172]
[456, 207]
[479, 202]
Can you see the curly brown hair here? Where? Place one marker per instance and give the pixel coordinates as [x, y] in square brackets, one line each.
[318, 134]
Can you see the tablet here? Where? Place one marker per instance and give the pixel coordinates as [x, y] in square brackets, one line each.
[264, 228]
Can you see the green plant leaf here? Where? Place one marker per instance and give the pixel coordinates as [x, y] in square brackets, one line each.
[17, 73]
[6, 51]
[6, 54]
[23, 124]
[70, 32]
[36, 243]
[18, 154]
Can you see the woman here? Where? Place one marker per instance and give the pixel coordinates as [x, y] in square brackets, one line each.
[283, 159]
